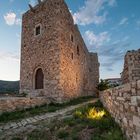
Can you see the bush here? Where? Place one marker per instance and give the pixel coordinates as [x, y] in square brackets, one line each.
[62, 134]
[103, 85]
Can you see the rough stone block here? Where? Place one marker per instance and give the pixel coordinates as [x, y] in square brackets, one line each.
[136, 121]
[133, 84]
[133, 109]
[131, 123]
[138, 136]
[138, 130]
[138, 92]
[125, 122]
[139, 111]
[138, 84]
[135, 100]
[127, 87]
[126, 106]
[120, 94]
[133, 91]
[120, 99]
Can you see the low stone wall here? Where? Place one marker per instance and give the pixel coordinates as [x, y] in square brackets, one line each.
[123, 103]
[9, 104]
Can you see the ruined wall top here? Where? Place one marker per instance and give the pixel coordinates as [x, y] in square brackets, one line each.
[131, 71]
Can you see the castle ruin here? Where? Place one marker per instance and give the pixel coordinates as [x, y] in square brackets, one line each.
[131, 71]
[55, 61]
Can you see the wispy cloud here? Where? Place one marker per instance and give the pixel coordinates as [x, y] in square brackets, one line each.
[123, 21]
[94, 40]
[114, 53]
[11, 0]
[33, 2]
[138, 23]
[110, 51]
[9, 55]
[11, 19]
[92, 12]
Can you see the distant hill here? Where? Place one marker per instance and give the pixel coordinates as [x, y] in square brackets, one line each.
[9, 87]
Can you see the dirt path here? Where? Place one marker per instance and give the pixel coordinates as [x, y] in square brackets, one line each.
[27, 124]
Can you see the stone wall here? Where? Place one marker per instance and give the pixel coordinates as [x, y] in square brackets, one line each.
[40, 51]
[76, 63]
[8, 104]
[123, 103]
[59, 51]
[131, 71]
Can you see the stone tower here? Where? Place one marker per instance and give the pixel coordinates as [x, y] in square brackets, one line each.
[55, 61]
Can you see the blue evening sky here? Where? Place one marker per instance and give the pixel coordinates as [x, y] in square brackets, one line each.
[109, 27]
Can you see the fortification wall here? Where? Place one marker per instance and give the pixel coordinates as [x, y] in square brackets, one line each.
[76, 64]
[123, 103]
[131, 71]
[94, 69]
[10, 104]
[41, 51]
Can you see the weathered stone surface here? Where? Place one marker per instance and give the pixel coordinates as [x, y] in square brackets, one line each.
[138, 136]
[68, 69]
[125, 108]
[9, 104]
[136, 121]
[139, 111]
[138, 84]
[131, 71]
[134, 100]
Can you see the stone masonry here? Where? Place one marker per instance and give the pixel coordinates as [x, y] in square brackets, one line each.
[131, 71]
[123, 103]
[55, 61]
[10, 104]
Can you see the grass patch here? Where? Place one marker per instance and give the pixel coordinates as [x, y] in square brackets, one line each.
[62, 134]
[39, 135]
[79, 126]
[52, 107]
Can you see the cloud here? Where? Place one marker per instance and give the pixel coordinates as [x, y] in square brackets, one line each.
[96, 40]
[115, 50]
[18, 21]
[11, 0]
[33, 2]
[9, 55]
[112, 2]
[114, 53]
[108, 65]
[138, 23]
[123, 21]
[10, 19]
[9, 65]
[110, 52]
[92, 12]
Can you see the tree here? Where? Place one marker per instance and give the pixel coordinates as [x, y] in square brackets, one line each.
[103, 85]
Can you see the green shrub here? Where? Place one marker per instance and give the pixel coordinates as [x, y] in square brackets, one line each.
[103, 85]
[62, 134]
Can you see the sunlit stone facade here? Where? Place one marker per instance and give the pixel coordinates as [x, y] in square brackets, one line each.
[55, 61]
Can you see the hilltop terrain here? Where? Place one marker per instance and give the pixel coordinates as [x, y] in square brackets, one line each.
[9, 87]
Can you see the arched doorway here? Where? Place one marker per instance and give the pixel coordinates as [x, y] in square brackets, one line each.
[39, 79]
